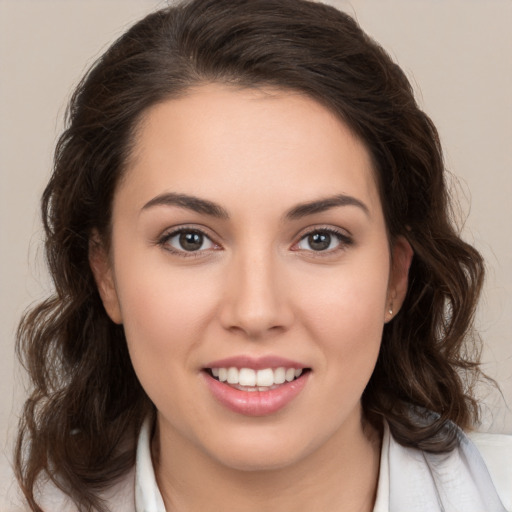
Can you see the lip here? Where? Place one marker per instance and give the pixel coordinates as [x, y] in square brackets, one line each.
[255, 403]
[256, 363]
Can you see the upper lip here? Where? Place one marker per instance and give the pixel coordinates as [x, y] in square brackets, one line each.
[256, 363]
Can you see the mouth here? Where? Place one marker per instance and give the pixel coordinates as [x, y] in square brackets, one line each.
[252, 380]
[260, 391]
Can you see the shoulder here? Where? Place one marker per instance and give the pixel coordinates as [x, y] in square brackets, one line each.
[496, 451]
[473, 477]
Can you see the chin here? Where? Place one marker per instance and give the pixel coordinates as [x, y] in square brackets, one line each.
[261, 453]
[259, 461]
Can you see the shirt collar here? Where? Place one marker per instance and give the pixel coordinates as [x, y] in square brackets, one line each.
[382, 499]
[147, 494]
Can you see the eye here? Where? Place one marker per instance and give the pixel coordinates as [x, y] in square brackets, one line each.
[187, 240]
[323, 240]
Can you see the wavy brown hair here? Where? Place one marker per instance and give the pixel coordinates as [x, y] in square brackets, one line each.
[80, 423]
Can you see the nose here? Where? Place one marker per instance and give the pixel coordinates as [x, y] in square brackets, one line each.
[255, 300]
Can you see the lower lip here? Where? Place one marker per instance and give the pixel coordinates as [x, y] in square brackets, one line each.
[256, 403]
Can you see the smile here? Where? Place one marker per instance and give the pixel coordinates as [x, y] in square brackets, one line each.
[262, 388]
[248, 379]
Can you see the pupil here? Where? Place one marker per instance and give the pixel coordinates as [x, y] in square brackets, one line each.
[319, 241]
[191, 241]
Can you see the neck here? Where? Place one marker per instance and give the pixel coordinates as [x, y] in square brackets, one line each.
[340, 475]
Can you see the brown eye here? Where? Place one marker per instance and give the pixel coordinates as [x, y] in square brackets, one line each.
[187, 241]
[324, 240]
[319, 241]
[191, 241]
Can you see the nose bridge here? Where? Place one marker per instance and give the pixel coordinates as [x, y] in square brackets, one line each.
[255, 300]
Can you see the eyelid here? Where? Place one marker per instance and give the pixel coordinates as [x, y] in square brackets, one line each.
[344, 237]
[170, 233]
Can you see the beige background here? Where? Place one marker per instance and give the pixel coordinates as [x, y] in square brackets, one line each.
[457, 54]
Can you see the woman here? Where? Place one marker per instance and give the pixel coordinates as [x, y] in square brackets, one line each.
[261, 301]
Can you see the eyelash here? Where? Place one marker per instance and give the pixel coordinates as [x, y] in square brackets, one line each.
[163, 241]
[344, 240]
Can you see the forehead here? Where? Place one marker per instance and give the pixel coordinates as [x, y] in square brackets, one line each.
[218, 137]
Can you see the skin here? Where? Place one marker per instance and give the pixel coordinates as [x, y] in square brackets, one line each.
[256, 287]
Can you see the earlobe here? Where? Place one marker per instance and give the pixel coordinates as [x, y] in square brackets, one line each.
[399, 278]
[101, 267]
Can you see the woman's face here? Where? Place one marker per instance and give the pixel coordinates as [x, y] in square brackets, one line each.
[249, 244]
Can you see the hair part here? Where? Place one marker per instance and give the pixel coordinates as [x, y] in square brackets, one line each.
[80, 423]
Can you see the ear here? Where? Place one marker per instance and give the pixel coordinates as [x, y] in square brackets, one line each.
[101, 267]
[402, 254]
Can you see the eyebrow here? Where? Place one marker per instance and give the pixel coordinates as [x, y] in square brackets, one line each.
[322, 205]
[212, 209]
[190, 203]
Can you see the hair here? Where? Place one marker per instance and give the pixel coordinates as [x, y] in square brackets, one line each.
[80, 423]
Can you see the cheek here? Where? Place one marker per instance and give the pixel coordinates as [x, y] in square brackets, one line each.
[164, 312]
[350, 335]
[351, 300]
[345, 314]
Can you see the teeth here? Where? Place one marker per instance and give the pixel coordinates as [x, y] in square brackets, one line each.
[247, 377]
[279, 375]
[265, 377]
[257, 379]
[290, 374]
[232, 375]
